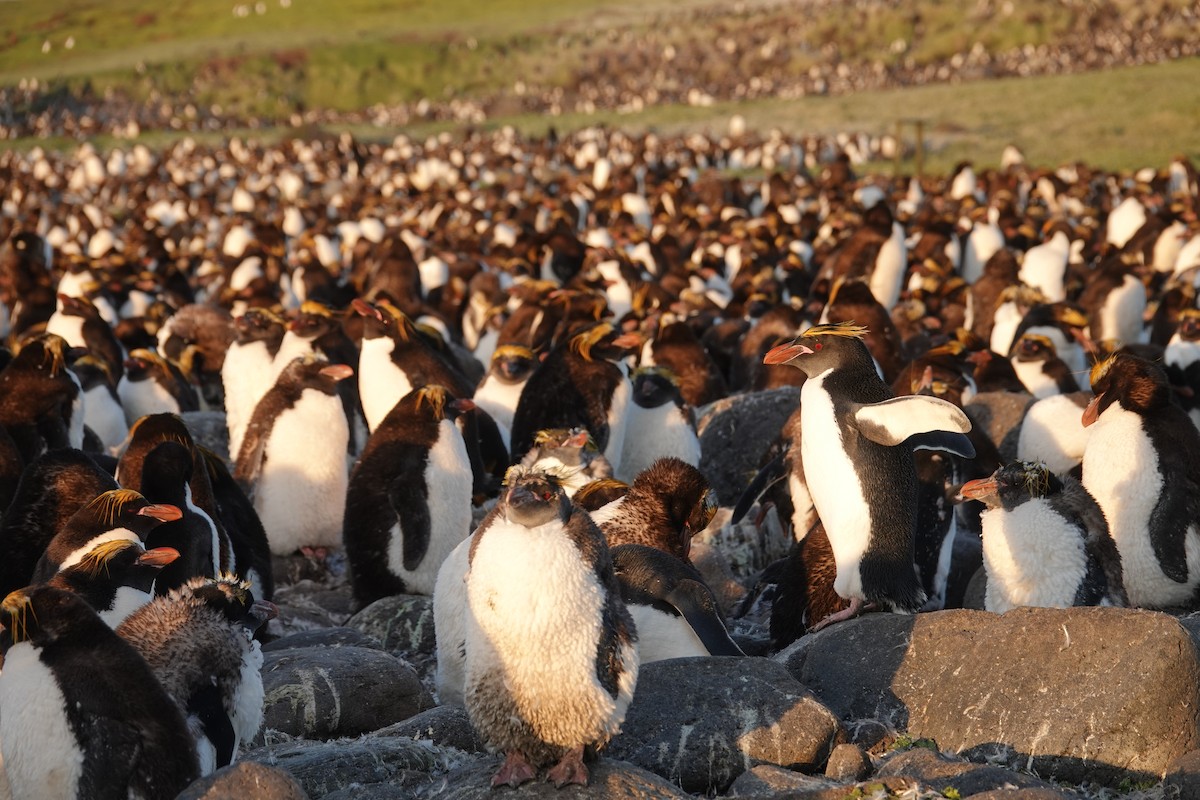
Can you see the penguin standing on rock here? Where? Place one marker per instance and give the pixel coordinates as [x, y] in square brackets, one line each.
[409, 498]
[298, 481]
[1045, 541]
[84, 717]
[856, 450]
[1142, 464]
[551, 652]
[199, 641]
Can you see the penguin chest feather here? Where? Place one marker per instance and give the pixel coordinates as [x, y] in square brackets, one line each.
[1121, 470]
[41, 754]
[534, 623]
[833, 482]
[381, 383]
[662, 635]
[448, 495]
[618, 420]
[148, 396]
[654, 433]
[1034, 557]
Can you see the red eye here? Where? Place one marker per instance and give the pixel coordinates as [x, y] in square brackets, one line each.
[817, 346]
[546, 495]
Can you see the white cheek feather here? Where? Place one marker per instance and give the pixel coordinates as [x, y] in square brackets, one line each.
[381, 383]
[41, 755]
[1033, 557]
[448, 481]
[1036, 382]
[301, 491]
[1120, 469]
[1121, 314]
[450, 625]
[1053, 433]
[662, 635]
[75, 556]
[105, 416]
[140, 398]
[499, 399]
[654, 433]
[618, 418]
[246, 376]
[1180, 353]
[534, 620]
[246, 711]
[833, 482]
[126, 601]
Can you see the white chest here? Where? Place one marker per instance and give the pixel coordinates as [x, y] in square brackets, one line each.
[381, 383]
[41, 756]
[1033, 557]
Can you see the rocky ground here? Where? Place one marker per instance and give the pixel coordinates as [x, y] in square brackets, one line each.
[1034, 704]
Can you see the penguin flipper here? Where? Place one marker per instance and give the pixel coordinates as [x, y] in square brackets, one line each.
[250, 458]
[694, 601]
[771, 473]
[893, 421]
[1166, 537]
[206, 706]
[942, 441]
[408, 498]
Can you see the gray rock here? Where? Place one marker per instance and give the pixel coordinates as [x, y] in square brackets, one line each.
[309, 604]
[999, 415]
[735, 432]
[941, 772]
[976, 594]
[1098, 694]
[208, 430]
[608, 780]
[1025, 794]
[245, 779]
[847, 763]
[322, 768]
[766, 782]
[701, 722]
[323, 637]
[446, 726]
[323, 693]
[402, 623]
[1183, 776]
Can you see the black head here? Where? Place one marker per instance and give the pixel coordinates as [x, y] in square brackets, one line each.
[45, 614]
[603, 340]
[259, 325]
[167, 469]
[1013, 484]
[824, 347]
[313, 321]
[121, 508]
[686, 498]
[119, 562]
[232, 598]
[1034, 347]
[315, 372]
[655, 386]
[434, 402]
[1189, 324]
[513, 363]
[534, 498]
[144, 364]
[1137, 384]
[384, 319]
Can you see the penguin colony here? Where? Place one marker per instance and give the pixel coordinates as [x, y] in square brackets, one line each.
[408, 337]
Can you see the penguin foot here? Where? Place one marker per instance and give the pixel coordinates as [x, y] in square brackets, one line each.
[569, 769]
[515, 770]
[855, 608]
[315, 553]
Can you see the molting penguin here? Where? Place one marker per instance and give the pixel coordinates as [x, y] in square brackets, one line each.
[409, 499]
[115, 577]
[297, 479]
[660, 423]
[667, 504]
[199, 641]
[1142, 464]
[544, 679]
[1045, 541]
[83, 714]
[572, 455]
[867, 500]
[153, 385]
[41, 405]
[116, 514]
[673, 610]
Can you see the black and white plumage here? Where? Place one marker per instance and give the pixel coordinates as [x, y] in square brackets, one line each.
[1039, 368]
[500, 390]
[1142, 464]
[857, 454]
[153, 385]
[660, 423]
[571, 454]
[84, 717]
[1045, 541]
[115, 577]
[199, 641]
[550, 650]
[246, 372]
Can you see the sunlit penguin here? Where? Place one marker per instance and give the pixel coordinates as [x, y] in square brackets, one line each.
[660, 423]
[571, 454]
[857, 453]
[551, 655]
[115, 577]
[153, 385]
[1045, 541]
[500, 390]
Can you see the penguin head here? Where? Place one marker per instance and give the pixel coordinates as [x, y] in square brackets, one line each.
[1012, 485]
[313, 321]
[605, 341]
[1137, 384]
[437, 402]
[383, 319]
[145, 364]
[655, 386]
[232, 598]
[534, 498]
[824, 347]
[122, 508]
[1034, 347]
[167, 468]
[93, 372]
[77, 307]
[122, 562]
[512, 363]
[570, 453]
[44, 614]
[258, 325]
[314, 371]
[685, 497]
[1189, 324]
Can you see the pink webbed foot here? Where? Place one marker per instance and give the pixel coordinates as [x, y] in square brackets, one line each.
[855, 608]
[515, 770]
[569, 769]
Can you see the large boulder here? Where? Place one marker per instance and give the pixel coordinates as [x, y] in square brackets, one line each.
[247, 779]
[1100, 694]
[324, 692]
[322, 637]
[934, 769]
[608, 779]
[402, 623]
[701, 722]
[445, 726]
[735, 432]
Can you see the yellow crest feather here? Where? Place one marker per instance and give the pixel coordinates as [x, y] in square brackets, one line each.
[846, 329]
[582, 343]
[96, 559]
[512, 351]
[111, 504]
[433, 396]
[17, 606]
[1100, 369]
[315, 308]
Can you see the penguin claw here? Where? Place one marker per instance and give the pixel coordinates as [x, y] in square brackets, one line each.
[855, 608]
[515, 770]
[569, 769]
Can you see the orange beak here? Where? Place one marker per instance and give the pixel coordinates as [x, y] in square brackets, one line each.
[163, 512]
[159, 556]
[1092, 412]
[783, 353]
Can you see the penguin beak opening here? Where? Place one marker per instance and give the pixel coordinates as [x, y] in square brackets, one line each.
[365, 309]
[260, 612]
[783, 353]
[163, 512]
[981, 490]
[158, 557]
[1092, 412]
[337, 372]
